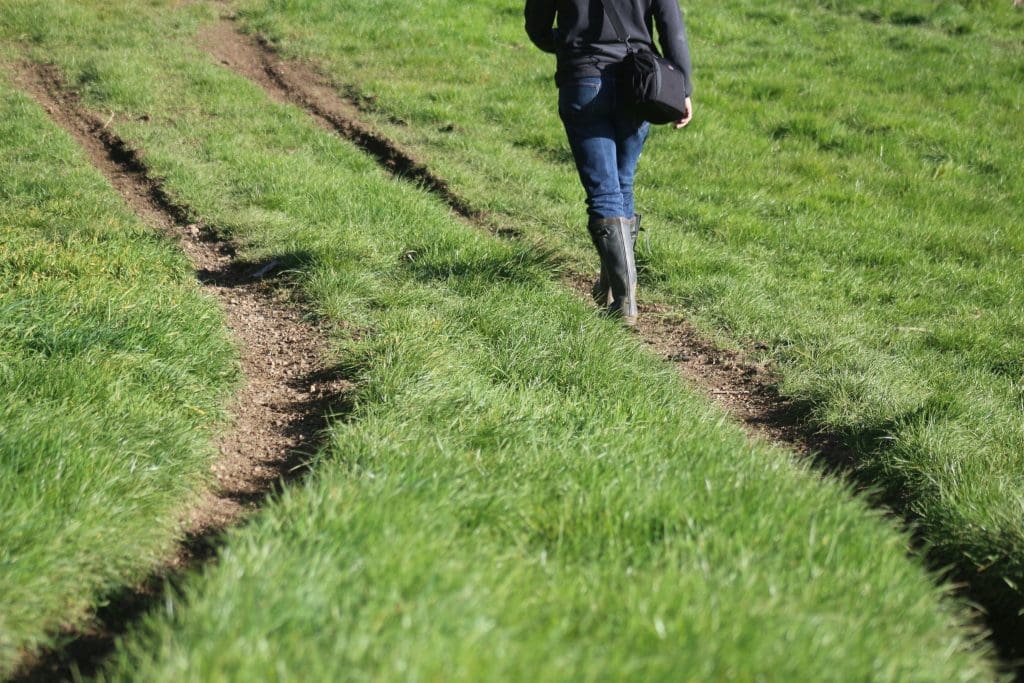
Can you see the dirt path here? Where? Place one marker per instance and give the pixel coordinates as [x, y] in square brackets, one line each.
[748, 392]
[296, 83]
[280, 411]
[278, 416]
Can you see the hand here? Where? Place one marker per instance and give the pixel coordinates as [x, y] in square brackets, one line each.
[686, 116]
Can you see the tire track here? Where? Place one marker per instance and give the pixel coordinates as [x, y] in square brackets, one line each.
[290, 82]
[279, 415]
[745, 390]
[749, 392]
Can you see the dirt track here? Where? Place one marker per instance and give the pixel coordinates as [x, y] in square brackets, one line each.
[746, 391]
[296, 83]
[277, 416]
[279, 413]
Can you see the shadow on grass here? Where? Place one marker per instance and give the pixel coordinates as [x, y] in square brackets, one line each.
[83, 653]
[525, 266]
[990, 584]
[238, 272]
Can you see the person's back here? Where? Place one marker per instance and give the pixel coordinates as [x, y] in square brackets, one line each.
[586, 43]
[605, 136]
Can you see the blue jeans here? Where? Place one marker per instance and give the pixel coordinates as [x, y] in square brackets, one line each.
[606, 141]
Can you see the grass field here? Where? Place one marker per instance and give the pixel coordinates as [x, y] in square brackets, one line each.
[847, 196]
[521, 491]
[112, 371]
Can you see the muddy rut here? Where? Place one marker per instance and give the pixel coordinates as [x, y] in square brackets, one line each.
[277, 418]
[295, 83]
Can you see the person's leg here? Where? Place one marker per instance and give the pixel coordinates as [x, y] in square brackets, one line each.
[630, 136]
[586, 108]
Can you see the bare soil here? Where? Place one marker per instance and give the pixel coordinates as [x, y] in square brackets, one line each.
[277, 418]
[747, 391]
[278, 413]
[293, 82]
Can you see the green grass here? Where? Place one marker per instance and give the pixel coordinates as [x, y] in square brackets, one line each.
[521, 491]
[112, 370]
[848, 195]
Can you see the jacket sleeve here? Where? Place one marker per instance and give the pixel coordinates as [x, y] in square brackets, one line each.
[668, 19]
[540, 20]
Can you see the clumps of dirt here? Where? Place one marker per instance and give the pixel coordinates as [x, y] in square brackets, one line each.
[292, 82]
[278, 417]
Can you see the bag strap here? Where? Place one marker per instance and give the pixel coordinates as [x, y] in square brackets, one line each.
[615, 18]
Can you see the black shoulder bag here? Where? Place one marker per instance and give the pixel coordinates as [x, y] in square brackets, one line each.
[656, 86]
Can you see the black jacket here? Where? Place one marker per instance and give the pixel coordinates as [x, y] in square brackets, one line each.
[586, 43]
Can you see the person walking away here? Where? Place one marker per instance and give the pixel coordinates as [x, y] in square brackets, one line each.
[605, 137]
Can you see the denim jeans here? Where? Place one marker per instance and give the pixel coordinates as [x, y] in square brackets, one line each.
[606, 141]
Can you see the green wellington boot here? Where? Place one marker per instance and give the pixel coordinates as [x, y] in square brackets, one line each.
[600, 291]
[611, 237]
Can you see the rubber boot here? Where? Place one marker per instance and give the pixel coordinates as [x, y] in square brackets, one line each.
[611, 237]
[600, 291]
